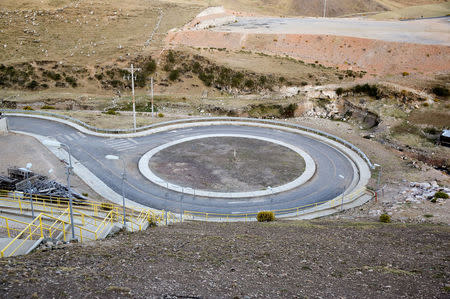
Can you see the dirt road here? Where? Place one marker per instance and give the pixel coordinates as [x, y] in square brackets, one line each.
[430, 31]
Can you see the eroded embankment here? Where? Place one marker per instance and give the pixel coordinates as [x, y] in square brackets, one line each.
[372, 56]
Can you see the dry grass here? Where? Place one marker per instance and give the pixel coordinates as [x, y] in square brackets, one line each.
[412, 12]
[85, 32]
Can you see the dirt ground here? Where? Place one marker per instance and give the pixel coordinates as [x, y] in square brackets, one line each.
[318, 259]
[18, 150]
[228, 164]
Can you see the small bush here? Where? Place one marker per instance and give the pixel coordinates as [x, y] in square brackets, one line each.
[339, 91]
[150, 67]
[27, 108]
[441, 91]
[441, 194]
[72, 81]
[428, 216]
[52, 75]
[32, 85]
[85, 194]
[111, 112]
[265, 216]
[160, 115]
[151, 220]
[47, 107]
[385, 218]
[434, 200]
[106, 206]
[171, 57]
[404, 74]
[174, 75]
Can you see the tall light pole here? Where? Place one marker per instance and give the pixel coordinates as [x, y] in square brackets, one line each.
[57, 144]
[113, 157]
[30, 190]
[324, 8]
[271, 198]
[343, 191]
[132, 69]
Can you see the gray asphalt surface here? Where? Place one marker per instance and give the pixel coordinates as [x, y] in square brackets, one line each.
[91, 150]
[430, 31]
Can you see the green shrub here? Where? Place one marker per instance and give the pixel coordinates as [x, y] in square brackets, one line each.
[150, 67]
[47, 107]
[441, 194]
[106, 206]
[27, 108]
[265, 216]
[441, 91]
[72, 81]
[174, 75]
[405, 74]
[160, 114]
[52, 75]
[171, 57]
[339, 91]
[434, 200]
[111, 112]
[32, 85]
[85, 194]
[151, 220]
[249, 83]
[99, 77]
[385, 218]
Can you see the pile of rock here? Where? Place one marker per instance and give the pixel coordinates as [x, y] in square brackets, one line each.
[51, 244]
[422, 191]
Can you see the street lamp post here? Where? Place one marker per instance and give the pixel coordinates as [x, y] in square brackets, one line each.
[54, 143]
[113, 157]
[271, 198]
[343, 192]
[30, 190]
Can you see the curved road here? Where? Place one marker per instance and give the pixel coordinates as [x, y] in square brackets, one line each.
[89, 150]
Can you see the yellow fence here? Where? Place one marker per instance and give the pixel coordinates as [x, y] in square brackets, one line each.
[98, 210]
[54, 218]
[291, 212]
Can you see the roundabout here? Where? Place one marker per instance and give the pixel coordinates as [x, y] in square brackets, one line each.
[267, 169]
[214, 167]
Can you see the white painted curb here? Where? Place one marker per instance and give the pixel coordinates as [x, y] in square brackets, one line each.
[310, 169]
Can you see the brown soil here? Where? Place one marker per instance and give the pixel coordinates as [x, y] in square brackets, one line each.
[372, 56]
[319, 259]
[228, 164]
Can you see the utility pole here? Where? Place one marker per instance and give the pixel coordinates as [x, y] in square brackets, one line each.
[132, 69]
[151, 83]
[324, 8]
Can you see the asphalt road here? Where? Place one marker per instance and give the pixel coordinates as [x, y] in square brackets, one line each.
[91, 150]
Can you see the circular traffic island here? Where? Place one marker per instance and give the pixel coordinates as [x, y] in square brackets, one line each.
[227, 164]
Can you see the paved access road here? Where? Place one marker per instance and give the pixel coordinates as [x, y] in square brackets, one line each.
[89, 150]
[430, 31]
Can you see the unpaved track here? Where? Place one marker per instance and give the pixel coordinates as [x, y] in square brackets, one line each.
[430, 32]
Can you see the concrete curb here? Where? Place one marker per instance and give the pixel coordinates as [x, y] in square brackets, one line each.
[88, 177]
[95, 183]
[310, 169]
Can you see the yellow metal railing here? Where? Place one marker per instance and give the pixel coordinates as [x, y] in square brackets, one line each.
[296, 211]
[55, 206]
